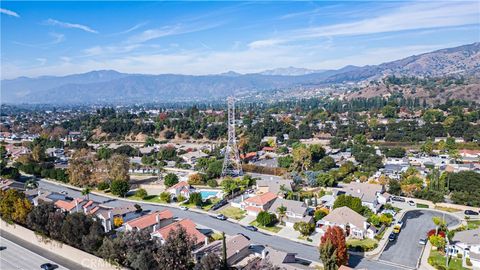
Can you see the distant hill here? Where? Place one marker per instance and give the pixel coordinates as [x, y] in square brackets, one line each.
[111, 86]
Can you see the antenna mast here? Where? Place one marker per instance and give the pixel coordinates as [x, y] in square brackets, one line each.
[231, 163]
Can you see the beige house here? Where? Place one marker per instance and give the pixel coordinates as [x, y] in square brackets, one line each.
[354, 224]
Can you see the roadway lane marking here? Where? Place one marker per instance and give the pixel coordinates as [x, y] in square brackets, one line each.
[60, 267]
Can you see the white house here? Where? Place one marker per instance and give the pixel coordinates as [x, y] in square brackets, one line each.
[354, 224]
[296, 211]
[180, 188]
[467, 243]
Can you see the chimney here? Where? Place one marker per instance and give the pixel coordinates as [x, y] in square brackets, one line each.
[264, 254]
[206, 241]
[76, 204]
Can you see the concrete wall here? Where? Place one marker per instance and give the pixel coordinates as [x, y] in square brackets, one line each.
[85, 259]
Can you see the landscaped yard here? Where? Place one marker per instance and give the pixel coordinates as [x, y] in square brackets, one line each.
[149, 198]
[366, 244]
[473, 224]
[438, 259]
[274, 229]
[206, 205]
[421, 205]
[448, 209]
[233, 212]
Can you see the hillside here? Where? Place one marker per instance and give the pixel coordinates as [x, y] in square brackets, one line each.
[111, 86]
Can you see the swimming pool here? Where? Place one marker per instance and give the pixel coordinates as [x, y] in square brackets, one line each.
[206, 194]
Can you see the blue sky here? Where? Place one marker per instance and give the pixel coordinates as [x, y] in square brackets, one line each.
[58, 38]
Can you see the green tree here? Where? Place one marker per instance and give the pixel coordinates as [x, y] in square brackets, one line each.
[281, 211]
[119, 187]
[176, 252]
[266, 219]
[195, 198]
[328, 255]
[170, 179]
[86, 192]
[353, 203]
[165, 197]
[326, 180]
[302, 158]
[118, 166]
[305, 228]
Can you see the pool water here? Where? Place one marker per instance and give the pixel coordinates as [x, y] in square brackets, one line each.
[208, 194]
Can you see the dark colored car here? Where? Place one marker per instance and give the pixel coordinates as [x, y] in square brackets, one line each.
[471, 213]
[398, 199]
[392, 237]
[251, 228]
[48, 266]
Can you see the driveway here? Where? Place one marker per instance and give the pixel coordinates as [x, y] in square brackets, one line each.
[406, 250]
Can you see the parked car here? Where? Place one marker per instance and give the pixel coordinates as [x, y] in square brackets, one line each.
[397, 228]
[471, 213]
[400, 223]
[183, 208]
[251, 228]
[390, 212]
[248, 238]
[219, 204]
[422, 241]
[48, 266]
[411, 203]
[221, 217]
[392, 237]
[398, 199]
[2, 247]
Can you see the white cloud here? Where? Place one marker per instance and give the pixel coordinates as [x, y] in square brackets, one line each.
[131, 29]
[70, 25]
[56, 39]
[412, 16]
[9, 12]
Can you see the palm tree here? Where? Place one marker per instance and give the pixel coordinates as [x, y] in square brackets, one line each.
[86, 192]
[281, 210]
[31, 184]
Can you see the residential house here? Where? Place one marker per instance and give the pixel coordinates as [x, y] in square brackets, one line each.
[256, 204]
[187, 224]
[151, 222]
[70, 206]
[271, 183]
[107, 214]
[370, 194]
[296, 211]
[284, 260]
[237, 249]
[192, 157]
[467, 243]
[354, 224]
[180, 188]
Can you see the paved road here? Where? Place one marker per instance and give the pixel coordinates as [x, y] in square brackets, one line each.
[303, 251]
[406, 250]
[16, 256]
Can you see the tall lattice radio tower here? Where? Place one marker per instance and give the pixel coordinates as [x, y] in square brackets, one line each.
[231, 163]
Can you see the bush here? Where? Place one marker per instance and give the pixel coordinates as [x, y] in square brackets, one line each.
[165, 196]
[171, 179]
[103, 185]
[266, 219]
[195, 179]
[468, 262]
[319, 214]
[212, 183]
[141, 193]
[181, 198]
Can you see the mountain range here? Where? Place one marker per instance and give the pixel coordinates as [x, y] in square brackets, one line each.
[109, 86]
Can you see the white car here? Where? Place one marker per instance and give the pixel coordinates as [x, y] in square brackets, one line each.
[183, 208]
[411, 203]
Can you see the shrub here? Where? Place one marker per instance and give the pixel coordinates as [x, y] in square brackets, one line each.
[103, 185]
[195, 179]
[212, 183]
[181, 198]
[468, 262]
[437, 241]
[141, 193]
[165, 196]
[319, 214]
[305, 228]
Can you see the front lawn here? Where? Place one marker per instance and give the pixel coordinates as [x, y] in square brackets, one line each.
[149, 198]
[473, 224]
[421, 205]
[438, 260]
[366, 244]
[233, 212]
[274, 229]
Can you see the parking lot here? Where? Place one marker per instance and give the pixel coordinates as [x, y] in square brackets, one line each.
[406, 250]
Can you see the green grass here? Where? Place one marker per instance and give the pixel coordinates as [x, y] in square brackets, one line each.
[274, 229]
[438, 259]
[447, 209]
[473, 224]
[233, 212]
[366, 244]
[206, 206]
[149, 198]
[421, 205]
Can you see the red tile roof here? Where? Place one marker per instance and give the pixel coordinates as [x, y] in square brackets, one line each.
[188, 225]
[248, 155]
[254, 209]
[262, 199]
[267, 148]
[150, 219]
[68, 206]
[179, 185]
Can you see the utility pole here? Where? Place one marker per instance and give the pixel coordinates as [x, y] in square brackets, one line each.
[231, 163]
